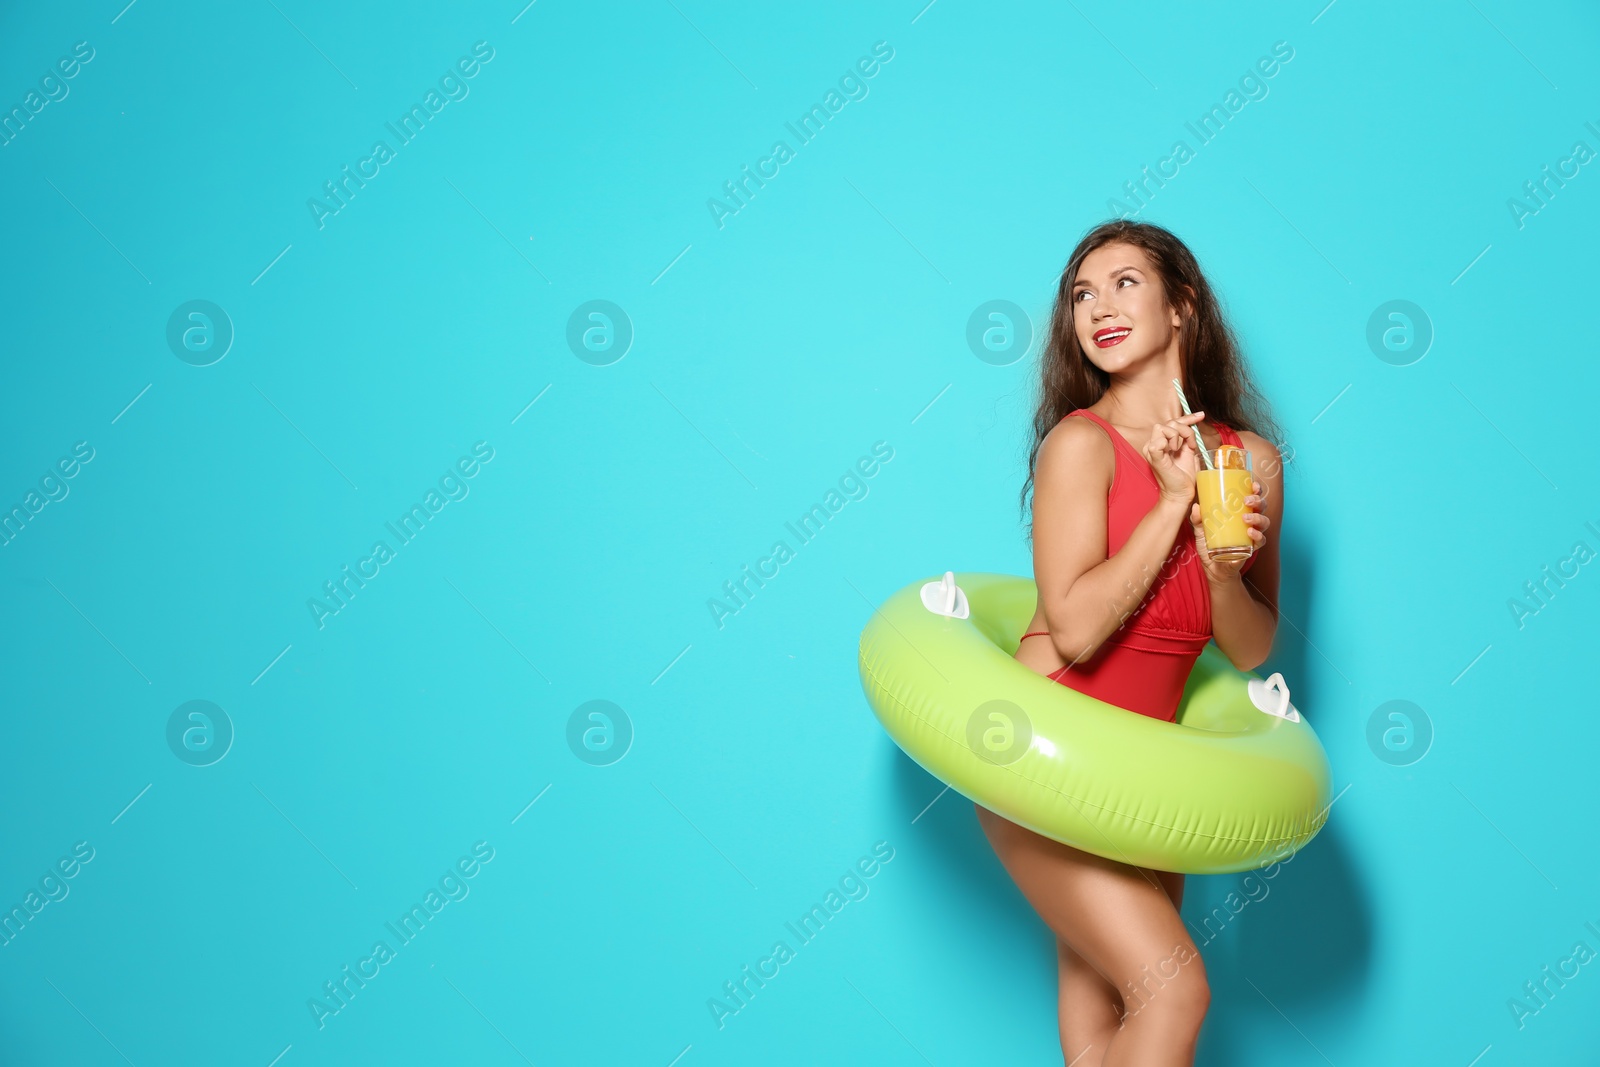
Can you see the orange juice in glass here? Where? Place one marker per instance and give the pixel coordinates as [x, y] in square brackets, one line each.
[1222, 486]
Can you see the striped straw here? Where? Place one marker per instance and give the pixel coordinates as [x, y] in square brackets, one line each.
[1199, 442]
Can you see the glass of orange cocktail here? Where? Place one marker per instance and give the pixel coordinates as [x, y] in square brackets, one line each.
[1222, 486]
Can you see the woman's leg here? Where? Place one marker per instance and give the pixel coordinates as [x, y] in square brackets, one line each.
[1122, 921]
[1088, 1010]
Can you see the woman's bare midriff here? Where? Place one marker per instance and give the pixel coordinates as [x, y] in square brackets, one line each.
[1039, 654]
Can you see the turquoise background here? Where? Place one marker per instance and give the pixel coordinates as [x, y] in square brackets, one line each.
[767, 355]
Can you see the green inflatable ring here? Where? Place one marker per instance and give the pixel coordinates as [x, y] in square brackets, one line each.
[1230, 786]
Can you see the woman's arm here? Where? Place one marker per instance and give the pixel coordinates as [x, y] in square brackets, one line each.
[1244, 607]
[1085, 596]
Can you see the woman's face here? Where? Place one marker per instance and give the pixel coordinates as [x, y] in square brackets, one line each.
[1119, 308]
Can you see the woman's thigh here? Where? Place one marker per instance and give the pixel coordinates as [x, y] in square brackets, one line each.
[1172, 882]
[1122, 919]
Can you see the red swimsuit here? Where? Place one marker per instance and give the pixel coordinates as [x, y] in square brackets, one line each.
[1144, 664]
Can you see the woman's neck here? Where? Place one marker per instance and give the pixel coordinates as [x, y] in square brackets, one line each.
[1145, 396]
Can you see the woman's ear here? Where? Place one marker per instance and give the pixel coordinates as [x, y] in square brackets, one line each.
[1182, 308]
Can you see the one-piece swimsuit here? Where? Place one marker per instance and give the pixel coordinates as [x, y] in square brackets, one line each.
[1145, 663]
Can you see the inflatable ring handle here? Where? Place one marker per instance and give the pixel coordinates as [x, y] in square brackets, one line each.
[945, 597]
[1275, 683]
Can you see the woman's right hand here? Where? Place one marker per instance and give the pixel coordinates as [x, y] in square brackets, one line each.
[1173, 456]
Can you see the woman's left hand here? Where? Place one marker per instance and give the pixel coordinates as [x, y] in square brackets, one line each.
[1227, 570]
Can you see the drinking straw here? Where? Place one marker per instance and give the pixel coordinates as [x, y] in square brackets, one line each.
[1198, 441]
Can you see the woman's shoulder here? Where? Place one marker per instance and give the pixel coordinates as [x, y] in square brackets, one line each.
[1073, 434]
[1261, 450]
[1075, 443]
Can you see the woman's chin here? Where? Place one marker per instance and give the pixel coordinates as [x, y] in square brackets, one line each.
[1114, 360]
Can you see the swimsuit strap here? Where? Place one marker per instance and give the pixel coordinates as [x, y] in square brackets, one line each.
[1035, 633]
[1111, 431]
[1228, 435]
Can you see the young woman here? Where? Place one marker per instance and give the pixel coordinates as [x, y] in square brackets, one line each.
[1128, 596]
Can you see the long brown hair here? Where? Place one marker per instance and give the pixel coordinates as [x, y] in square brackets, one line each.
[1213, 372]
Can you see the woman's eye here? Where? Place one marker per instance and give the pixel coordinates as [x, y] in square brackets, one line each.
[1081, 293]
